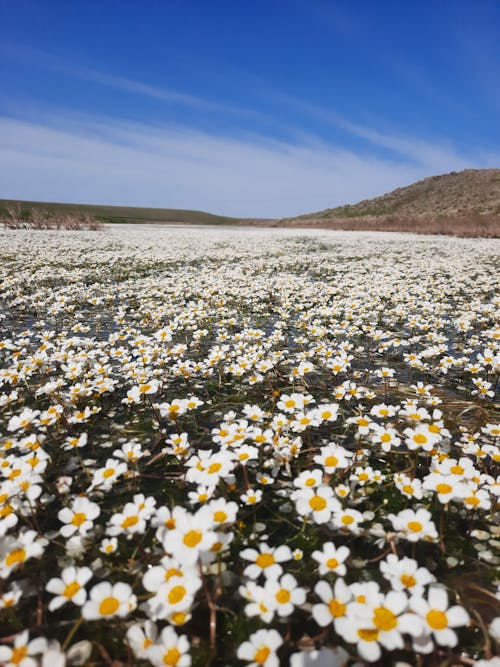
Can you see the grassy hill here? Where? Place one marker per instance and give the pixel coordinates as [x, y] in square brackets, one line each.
[465, 203]
[124, 214]
[469, 191]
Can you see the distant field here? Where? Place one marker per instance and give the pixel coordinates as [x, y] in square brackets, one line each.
[124, 214]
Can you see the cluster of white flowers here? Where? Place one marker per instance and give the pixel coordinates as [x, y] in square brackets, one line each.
[261, 447]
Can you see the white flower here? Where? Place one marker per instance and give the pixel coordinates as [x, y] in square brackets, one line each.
[107, 600]
[265, 561]
[405, 574]
[69, 587]
[438, 619]
[170, 649]
[319, 503]
[20, 655]
[331, 559]
[79, 518]
[414, 525]
[260, 649]
[14, 551]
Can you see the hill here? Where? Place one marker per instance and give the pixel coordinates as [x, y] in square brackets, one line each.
[462, 202]
[123, 214]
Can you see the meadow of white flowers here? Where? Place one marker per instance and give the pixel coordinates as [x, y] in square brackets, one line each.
[248, 447]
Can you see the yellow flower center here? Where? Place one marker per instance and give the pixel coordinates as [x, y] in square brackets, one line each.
[130, 521]
[283, 596]
[457, 470]
[71, 589]
[444, 488]
[16, 556]
[109, 472]
[108, 606]
[214, 467]
[437, 619]
[262, 654]
[171, 657]
[408, 580]
[332, 563]
[385, 437]
[220, 516]
[331, 461]
[78, 518]
[178, 618]
[176, 594]
[317, 503]
[18, 654]
[408, 488]
[337, 609]
[347, 519]
[384, 619]
[420, 438]
[368, 635]
[192, 538]
[415, 526]
[472, 500]
[265, 560]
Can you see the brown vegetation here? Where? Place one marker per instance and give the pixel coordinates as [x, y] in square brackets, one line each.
[472, 225]
[35, 219]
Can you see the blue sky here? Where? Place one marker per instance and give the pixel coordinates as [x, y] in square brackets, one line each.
[265, 108]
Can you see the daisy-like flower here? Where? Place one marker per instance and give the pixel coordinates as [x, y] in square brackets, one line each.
[79, 518]
[260, 649]
[291, 403]
[446, 487]
[22, 652]
[334, 602]
[219, 512]
[170, 650]
[379, 622]
[411, 488]
[105, 477]
[70, 587]
[15, 551]
[347, 519]
[174, 595]
[284, 594]
[386, 437]
[141, 637]
[107, 600]
[108, 546]
[265, 561]
[405, 574]
[251, 497]
[333, 456]
[331, 559]
[438, 619]
[319, 503]
[160, 574]
[191, 536]
[308, 478]
[414, 525]
[421, 438]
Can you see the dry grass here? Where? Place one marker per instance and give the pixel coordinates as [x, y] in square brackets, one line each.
[472, 225]
[37, 219]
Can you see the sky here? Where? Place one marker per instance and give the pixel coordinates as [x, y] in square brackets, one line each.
[268, 108]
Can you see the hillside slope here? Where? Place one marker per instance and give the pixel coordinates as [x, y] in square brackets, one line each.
[458, 193]
[124, 214]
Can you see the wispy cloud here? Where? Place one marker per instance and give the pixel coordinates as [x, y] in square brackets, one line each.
[110, 161]
[41, 59]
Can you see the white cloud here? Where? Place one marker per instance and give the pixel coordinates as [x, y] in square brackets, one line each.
[110, 161]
